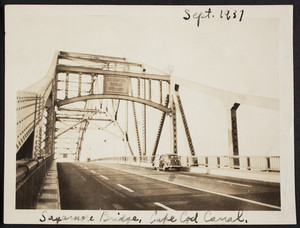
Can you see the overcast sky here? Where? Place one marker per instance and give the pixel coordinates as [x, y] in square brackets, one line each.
[235, 56]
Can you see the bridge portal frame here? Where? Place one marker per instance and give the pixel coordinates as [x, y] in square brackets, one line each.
[51, 104]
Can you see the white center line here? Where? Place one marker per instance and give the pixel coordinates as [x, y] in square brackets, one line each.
[163, 206]
[228, 182]
[104, 177]
[128, 189]
[118, 206]
[93, 171]
[83, 177]
[186, 176]
[201, 189]
[85, 167]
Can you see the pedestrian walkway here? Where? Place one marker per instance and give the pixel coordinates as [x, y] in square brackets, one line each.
[50, 198]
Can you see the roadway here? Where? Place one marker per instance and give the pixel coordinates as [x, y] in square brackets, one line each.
[107, 186]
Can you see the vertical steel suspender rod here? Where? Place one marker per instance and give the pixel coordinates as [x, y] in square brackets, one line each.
[149, 90]
[174, 126]
[67, 86]
[79, 84]
[138, 87]
[160, 91]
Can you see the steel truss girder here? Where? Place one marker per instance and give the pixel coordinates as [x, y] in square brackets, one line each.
[78, 118]
[80, 139]
[71, 127]
[113, 96]
[186, 128]
[160, 127]
[136, 129]
[174, 126]
[104, 61]
[135, 119]
[90, 70]
[80, 110]
[90, 56]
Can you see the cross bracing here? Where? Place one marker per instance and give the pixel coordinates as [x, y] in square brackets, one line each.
[84, 91]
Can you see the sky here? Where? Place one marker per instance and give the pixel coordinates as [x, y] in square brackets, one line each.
[239, 57]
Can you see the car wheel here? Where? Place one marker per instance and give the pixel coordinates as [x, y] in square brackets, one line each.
[164, 167]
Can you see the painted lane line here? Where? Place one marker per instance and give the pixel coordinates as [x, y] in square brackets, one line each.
[82, 177]
[163, 206]
[124, 187]
[92, 171]
[228, 182]
[85, 168]
[117, 206]
[104, 177]
[186, 176]
[203, 190]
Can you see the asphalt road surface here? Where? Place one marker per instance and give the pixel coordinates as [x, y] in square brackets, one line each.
[95, 185]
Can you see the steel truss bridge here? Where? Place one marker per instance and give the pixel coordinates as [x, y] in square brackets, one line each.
[83, 90]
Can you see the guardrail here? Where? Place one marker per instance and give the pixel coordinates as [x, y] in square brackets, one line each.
[259, 163]
[30, 177]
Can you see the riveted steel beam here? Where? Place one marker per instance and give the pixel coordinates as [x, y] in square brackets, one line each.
[104, 61]
[113, 96]
[185, 124]
[160, 127]
[71, 127]
[91, 70]
[88, 56]
[79, 110]
[234, 134]
[78, 118]
[81, 137]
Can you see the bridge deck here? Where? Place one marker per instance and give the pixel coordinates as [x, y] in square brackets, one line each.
[95, 185]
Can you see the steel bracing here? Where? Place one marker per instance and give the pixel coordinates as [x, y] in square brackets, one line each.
[82, 91]
[54, 114]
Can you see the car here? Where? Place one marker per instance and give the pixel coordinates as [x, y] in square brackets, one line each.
[166, 162]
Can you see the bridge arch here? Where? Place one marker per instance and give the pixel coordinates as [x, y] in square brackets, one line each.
[114, 96]
[75, 78]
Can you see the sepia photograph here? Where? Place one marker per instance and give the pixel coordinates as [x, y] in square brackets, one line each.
[149, 115]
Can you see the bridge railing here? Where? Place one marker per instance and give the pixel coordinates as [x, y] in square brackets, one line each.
[259, 163]
[30, 178]
[262, 163]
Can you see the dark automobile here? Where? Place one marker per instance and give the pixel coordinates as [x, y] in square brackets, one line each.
[167, 161]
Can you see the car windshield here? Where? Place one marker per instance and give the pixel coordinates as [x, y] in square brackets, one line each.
[173, 156]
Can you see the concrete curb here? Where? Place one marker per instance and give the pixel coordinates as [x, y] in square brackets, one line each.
[50, 198]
